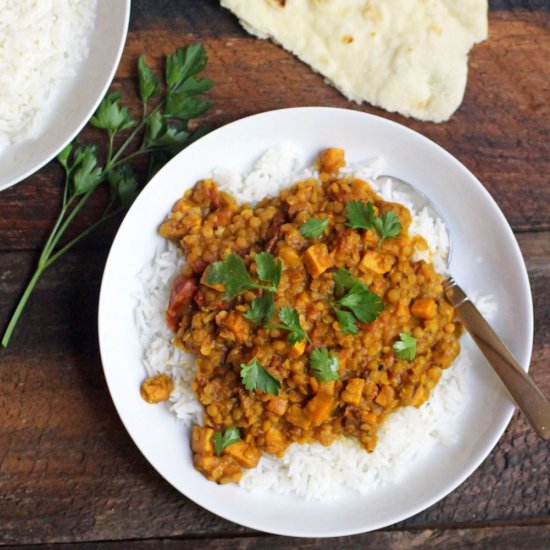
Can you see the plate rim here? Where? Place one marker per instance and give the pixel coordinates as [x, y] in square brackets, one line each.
[488, 447]
[111, 74]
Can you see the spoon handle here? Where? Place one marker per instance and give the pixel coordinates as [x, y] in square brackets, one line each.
[527, 396]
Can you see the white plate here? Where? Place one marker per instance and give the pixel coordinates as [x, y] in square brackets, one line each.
[486, 257]
[77, 98]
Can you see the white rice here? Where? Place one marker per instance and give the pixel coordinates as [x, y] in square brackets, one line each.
[310, 471]
[41, 44]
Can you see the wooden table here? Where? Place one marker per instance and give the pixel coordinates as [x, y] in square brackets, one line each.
[68, 470]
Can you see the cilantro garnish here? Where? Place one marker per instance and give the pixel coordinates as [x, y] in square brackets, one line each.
[269, 270]
[256, 377]
[233, 275]
[362, 216]
[405, 347]
[290, 320]
[314, 227]
[261, 309]
[324, 365]
[224, 439]
[362, 304]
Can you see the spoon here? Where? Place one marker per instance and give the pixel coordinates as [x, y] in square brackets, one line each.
[523, 391]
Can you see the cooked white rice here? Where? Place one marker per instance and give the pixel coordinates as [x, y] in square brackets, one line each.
[310, 471]
[41, 44]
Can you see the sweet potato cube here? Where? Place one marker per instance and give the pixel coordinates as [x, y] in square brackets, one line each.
[277, 405]
[296, 416]
[246, 455]
[352, 393]
[238, 325]
[297, 349]
[209, 465]
[424, 308]
[202, 440]
[376, 262]
[331, 160]
[319, 407]
[327, 387]
[385, 396]
[317, 259]
[275, 441]
[290, 256]
[157, 388]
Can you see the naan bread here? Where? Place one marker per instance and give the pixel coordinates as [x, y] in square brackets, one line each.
[409, 56]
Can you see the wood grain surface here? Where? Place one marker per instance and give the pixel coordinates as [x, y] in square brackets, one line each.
[70, 473]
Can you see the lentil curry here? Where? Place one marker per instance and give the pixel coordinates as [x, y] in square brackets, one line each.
[308, 317]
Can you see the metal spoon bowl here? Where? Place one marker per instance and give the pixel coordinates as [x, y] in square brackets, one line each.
[523, 391]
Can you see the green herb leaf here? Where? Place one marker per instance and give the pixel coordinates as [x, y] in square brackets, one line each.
[346, 320]
[364, 304]
[86, 176]
[195, 86]
[360, 215]
[314, 227]
[232, 274]
[255, 377]
[405, 347]
[111, 116]
[224, 439]
[180, 105]
[387, 226]
[183, 63]
[324, 365]
[63, 157]
[290, 320]
[261, 309]
[269, 270]
[161, 134]
[124, 185]
[345, 281]
[149, 83]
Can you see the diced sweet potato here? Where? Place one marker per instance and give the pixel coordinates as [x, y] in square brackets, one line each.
[385, 396]
[376, 262]
[331, 160]
[290, 256]
[296, 416]
[202, 440]
[297, 349]
[424, 308]
[275, 441]
[317, 259]
[319, 407]
[157, 388]
[277, 405]
[238, 325]
[352, 393]
[246, 455]
[327, 387]
[209, 465]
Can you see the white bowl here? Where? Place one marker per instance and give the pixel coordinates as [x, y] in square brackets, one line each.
[486, 258]
[78, 98]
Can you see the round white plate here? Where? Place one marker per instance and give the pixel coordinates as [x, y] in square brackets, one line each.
[77, 98]
[485, 257]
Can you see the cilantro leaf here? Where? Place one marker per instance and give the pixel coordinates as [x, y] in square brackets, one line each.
[364, 304]
[180, 105]
[314, 227]
[387, 226]
[360, 215]
[224, 439]
[269, 270]
[195, 86]
[405, 347]
[261, 309]
[183, 63]
[86, 176]
[232, 274]
[124, 185]
[345, 281]
[346, 320]
[324, 365]
[290, 320]
[148, 81]
[256, 377]
[111, 116]
[159, 133]
[63, 157]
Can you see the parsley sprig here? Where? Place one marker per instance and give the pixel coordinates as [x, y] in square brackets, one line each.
[290, 320]
[314, 227]
[256, 377]
[405, 347]
[161, 132]
[224, 439]
[358, 303]
[362, 216]
[324, 365]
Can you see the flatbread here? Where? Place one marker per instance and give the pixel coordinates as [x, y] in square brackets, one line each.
[408, 56]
